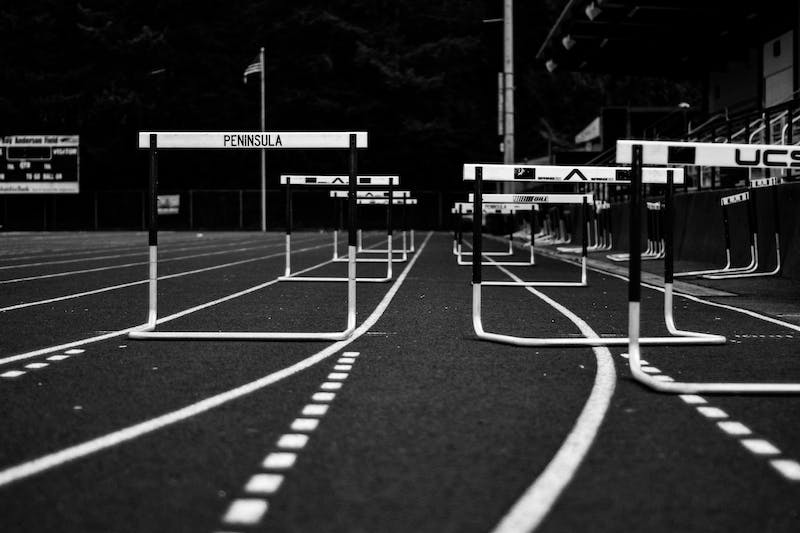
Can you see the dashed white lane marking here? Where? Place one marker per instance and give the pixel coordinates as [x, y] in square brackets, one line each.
[760, 446]
[692, 399]
[734, 428]
[264, 484]
[115, 438]
[535, 503]
[712, 412]
[267, 483]
[245, 512]
[337, 375]
[346, 360]
[315, 409]
[12, 374]
[323, 396]
[331, 385]
[292, 441]
[789, 468]
[57, 357]
[351, 354]
[343, 368]
[36, 366]
[279, 460]
[305, 424]
[74, 351]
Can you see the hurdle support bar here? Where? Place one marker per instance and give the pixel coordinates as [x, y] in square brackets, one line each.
[147, 332]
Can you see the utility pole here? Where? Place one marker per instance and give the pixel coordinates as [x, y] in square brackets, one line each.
[508, 75]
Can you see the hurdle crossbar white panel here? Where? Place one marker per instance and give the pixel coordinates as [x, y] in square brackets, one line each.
[327, 181]
[636, 153]
[551, 173]
[711, 154]
[288, 276]
[249, 140]
[155, 141]
[682, 337]
[362, 195]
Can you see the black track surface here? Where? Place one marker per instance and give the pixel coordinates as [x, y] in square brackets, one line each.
[433, 430]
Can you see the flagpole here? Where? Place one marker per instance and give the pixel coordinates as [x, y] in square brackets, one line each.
[263, 151]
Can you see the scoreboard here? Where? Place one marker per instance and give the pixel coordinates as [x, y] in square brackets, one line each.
[39, 164]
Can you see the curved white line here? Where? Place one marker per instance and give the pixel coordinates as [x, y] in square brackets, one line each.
[53, 460]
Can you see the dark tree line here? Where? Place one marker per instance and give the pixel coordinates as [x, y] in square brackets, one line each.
[419, 75]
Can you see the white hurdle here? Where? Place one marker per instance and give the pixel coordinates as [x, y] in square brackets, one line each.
[638, 153]
[462, 209]
[497, 172]
[155, 141]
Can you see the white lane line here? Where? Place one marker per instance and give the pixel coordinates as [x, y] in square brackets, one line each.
[343, 368]
[245, 512]
[315, 409]
[121, 255]
[57, 357]
[532, 507]
[323, 396]
[141, 282]
[345, 361]
[305, 424]
[331, 385]
[115, 438]
[712, 412]
[788, 468]
[760, 446]
[292, 441]
[12, 374]
[264, 484]
[733, 428]
[37, 366]
[74, 351]
[337, 376]
[162, 320]
[351, 354]
[279, 460]
[130, 265]
[692, 399]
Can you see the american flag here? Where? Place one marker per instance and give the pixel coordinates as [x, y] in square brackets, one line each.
[253, 68]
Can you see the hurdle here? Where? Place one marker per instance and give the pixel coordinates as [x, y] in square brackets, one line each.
[655, 239]
[156, 141]
[405, 250]
[532, 199]
[500, 208]
[496, 172]
[751, 272]
[403, 198]
[327, 181]
[638, 153]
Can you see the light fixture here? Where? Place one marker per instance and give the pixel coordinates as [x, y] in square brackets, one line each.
[551, 65]
[568, 42]
[592, 11]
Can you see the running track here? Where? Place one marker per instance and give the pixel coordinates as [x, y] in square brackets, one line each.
[413, 425]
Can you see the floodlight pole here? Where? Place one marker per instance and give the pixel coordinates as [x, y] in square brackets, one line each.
[263, 151]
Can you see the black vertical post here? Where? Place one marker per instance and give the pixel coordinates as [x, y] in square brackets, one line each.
[459, 234]
[352, 191]
[777, 215]
[533, 225]
[767, 139]
[152, 191]
[477, 230]
[726, 228]
[389, 208]
[635, 260]
[584, 222]
[289, 214]
[669, 221]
